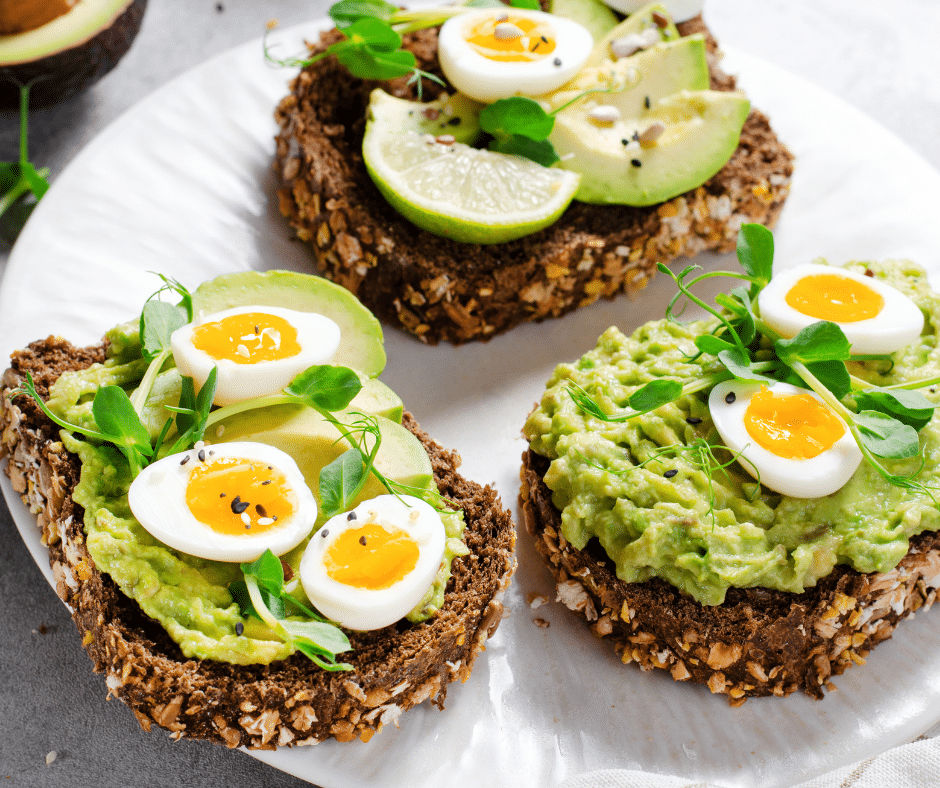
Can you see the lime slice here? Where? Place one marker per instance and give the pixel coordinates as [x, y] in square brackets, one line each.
[459, 192]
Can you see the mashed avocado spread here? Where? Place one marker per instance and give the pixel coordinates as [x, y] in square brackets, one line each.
[188, 596]
[706, 529]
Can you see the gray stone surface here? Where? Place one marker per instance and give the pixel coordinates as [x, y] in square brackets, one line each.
[870, 53]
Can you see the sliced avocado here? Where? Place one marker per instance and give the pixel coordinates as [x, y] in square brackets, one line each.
[702, 130]
[647, 76]
[314, 442]
[378, 399]
[69, 51]
[635, 24]
[361, 334]
[455, 114]
[595, 15]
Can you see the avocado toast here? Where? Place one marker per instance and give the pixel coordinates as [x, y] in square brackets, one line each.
[440, 289]
[678, 545]
[253, 702]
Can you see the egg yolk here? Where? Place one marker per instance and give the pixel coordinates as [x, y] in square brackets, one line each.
[836, 298]
[248, 338]
[793, 426]
[234, 496]
[494, 39]
[371, 557]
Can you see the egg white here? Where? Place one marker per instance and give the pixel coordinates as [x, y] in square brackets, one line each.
[366, 609]
[812, 478]
[157, 498]
[898, 324]
[488, 80]
[317, 335]
[680, 10]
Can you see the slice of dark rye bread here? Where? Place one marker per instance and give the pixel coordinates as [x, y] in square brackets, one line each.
[259, 706]
[438, 289]
[759, 641]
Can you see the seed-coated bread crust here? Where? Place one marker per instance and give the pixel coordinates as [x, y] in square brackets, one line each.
[438, 289]
[759, 641]
[287, 703]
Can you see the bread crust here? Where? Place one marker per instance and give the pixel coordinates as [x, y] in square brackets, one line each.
[759, 641]
[291, 702]
[438, 289]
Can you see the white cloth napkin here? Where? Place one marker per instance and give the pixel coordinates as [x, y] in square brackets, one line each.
[914, 765]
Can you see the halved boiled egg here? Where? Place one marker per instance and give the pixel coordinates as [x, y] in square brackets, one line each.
[227, 502]
[258, 349]
[370, 567]
[787, 437]
[493, 54]
[875, 317]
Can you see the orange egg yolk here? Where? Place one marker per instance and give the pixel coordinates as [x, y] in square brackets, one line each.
[537, 39]
[793, 426]
[834, 297]
[233, 495]
[371, 557]
[248, 338]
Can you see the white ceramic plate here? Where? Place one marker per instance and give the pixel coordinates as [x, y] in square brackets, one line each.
[181, 185]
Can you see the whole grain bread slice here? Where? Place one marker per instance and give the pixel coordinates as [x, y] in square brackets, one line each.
[438, 289]
[286, 703]
[759, 641]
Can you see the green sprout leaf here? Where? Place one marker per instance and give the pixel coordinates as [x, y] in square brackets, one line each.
[267, 570]
[347, 12]
[709, 343]
[532, 5]
[886, 437]
[833, 375]
[822, 341]
[520, 126]
[341, 481]
[755, 250]
[739, 364]
[655, 394]
[21, 184]
[327, 387]
[158, 321]
[908, 407]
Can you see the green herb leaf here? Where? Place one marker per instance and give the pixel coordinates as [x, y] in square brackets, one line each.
[532, 5]
[367, 63]
[886, 437]
[517, 115]
[709, 343]
[314, 654]
[834, 375]
[186, 298]
[586, 402]
[115, 416]
[822, 341]
[756, 253]
[21, 184]
[158, 321]
[347, 12]
[267, 570]
[739, 365]
[655, 394]
[341, 481]
[324, 635]
[540, 151]
[325, 386]
[204, 404]
[186, 412]
[908, 407]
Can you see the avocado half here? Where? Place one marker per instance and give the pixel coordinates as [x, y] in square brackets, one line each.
[70, 52]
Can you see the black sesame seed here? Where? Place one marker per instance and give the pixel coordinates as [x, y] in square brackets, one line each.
[730, 397]
[933, 391]
[262, 512]
[274, 518]
[544, 39]
[670, 473]
[238, 505]
[325, 533]
[557, 61]
[636, 162]
[646, 102]
[184, 460]
[221, 495]
[239, 628]
[537, 45]
[453, 122]
[257, 330]
[362, 540]
[202, 455]
[636, 136]
[693, 420]
[624, 142]
[266, 481]
[351, 516]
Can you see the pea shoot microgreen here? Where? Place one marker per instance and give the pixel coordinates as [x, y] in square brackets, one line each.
[22, 186]
[885, 420]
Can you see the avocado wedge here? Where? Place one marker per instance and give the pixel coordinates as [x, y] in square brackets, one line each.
[66, 53]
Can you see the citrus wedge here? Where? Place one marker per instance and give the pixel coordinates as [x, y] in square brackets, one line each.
[455, 191]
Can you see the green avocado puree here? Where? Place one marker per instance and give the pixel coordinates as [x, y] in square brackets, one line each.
[188, 596]
[653, 526]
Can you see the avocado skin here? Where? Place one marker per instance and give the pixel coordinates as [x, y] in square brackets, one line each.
[64, 74]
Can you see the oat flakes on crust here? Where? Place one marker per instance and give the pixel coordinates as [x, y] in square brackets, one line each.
[287, 703]
[759, 641]
[439, 290]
